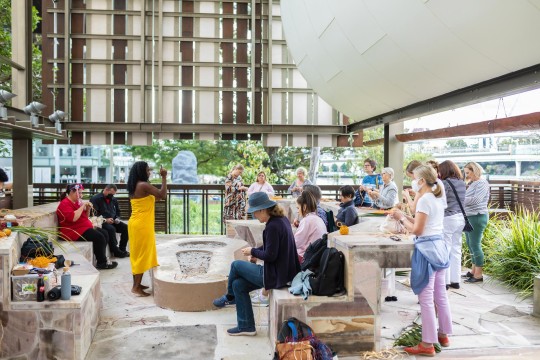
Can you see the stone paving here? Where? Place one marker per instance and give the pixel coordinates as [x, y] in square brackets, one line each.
[490, 322]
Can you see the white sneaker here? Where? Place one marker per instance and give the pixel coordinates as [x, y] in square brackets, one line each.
[259, 299]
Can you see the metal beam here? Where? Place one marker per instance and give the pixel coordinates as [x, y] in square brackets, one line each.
[495, 126]
[506, 85]
[206, 128]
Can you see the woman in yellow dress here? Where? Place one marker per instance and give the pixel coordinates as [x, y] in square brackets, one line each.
[142, 236]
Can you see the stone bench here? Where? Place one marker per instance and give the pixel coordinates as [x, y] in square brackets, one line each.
[346, 326]
[50, 329]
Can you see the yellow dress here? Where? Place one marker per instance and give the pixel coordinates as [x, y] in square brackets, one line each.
[142, 236]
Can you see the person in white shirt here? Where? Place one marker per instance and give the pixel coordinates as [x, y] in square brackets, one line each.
[429, 261]
[261, 185]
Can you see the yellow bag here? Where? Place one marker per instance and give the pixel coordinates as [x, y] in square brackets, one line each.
[300, 350]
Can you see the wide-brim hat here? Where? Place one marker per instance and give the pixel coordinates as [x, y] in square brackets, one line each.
[259, 201]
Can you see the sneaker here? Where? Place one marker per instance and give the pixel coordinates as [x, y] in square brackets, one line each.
[420, 350]
[236, 331]
[110, 266]
[259, 300]
[473, 280]
[467, 275]
[454, 285]
[223, 301]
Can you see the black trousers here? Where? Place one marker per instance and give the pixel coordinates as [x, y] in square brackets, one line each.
[120, 228]
[110, 230]
[99, 241]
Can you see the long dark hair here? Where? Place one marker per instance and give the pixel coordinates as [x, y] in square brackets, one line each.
[136, 173]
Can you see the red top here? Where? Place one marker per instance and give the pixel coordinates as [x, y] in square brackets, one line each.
[70, 229]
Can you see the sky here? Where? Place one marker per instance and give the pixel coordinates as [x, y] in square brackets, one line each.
[524, 103]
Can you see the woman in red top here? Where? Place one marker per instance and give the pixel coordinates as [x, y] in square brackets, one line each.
[74, 224]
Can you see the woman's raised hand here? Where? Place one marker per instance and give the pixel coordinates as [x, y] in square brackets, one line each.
[163, 172]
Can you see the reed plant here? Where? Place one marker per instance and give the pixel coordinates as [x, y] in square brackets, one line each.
[512, 250]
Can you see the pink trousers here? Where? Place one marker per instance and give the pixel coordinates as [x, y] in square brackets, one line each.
[435, 293]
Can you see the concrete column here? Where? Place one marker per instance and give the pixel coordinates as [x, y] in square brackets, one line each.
[22, 173]
[536, 297]
[518, 168]
[57, 175]
[78, 165]
[394, 152]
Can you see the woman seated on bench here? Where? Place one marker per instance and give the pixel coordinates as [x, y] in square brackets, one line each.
[74, 225]
[280, 263]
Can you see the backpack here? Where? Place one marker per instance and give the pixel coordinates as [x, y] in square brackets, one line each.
[312, 256]
[331, 227]
[294, 330]
[36, 246]
[330, 277]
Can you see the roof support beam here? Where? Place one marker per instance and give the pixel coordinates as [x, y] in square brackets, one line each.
[206, 128]
[506, 85]
[495, 126]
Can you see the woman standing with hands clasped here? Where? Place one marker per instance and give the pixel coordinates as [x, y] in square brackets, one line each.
[429, 262]
[142, 235]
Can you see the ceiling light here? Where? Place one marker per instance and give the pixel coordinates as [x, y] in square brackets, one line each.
[5, 96]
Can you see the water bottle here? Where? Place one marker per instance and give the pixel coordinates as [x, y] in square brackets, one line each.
[40, 289]
[65, 284]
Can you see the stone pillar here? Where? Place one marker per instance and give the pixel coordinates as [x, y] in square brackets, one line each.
[394, 153]
[22, 173]
[536, 297]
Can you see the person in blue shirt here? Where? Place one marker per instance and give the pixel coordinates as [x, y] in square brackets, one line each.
[347, 214]
[370, 182]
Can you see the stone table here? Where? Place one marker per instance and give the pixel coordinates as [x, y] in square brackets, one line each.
[289, 205]
[247, 230]
[367, 252]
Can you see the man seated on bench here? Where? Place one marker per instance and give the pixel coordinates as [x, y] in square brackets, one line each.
[107, 206]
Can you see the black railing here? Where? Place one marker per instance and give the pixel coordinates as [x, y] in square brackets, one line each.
[188, 209]
[198, 209]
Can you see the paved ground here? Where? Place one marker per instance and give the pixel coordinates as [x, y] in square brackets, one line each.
[490, 322]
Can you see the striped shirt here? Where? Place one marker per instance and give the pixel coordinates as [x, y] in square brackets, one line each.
[477, 197]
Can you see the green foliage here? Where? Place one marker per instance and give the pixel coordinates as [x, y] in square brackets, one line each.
[195, 217]
[511, 250]
[5, 50]
[456, 143]
[412, 336]
[420, 156]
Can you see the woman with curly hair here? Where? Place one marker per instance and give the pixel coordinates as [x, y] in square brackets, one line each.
[142, 236]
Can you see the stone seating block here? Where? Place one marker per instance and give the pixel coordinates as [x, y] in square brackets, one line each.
[536, 296]
[346, 326]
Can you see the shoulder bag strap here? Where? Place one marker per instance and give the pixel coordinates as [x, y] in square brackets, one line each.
[458, 200]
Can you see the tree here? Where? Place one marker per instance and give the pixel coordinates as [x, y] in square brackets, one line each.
[456, 143]
[5, 50]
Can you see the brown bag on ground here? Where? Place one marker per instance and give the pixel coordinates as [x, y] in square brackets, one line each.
[300, 350]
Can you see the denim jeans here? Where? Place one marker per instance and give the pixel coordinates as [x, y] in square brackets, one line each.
[244, 277]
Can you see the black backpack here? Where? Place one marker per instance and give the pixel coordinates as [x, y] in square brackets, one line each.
[312, 256]
[36, 246]
[293, 329]
[331, 227]
[329, 280]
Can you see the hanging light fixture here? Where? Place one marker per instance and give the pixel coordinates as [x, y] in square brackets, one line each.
[5, 96]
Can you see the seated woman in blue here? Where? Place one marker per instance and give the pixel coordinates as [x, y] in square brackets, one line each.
[370, 182]
[280, 263]
[347, 214]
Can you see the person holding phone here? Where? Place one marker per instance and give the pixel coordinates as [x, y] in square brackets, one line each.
[143, 195]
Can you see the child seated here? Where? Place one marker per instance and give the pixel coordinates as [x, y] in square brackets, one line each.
[347, 214]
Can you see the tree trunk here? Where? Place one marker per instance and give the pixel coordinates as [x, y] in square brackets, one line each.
[314, 164]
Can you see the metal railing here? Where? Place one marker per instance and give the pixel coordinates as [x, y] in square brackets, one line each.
[198, 209]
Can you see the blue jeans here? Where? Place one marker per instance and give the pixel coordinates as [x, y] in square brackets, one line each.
[243, 278]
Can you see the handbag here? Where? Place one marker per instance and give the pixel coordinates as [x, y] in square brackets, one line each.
[392, 225]
[468, 227]
[299, 350]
